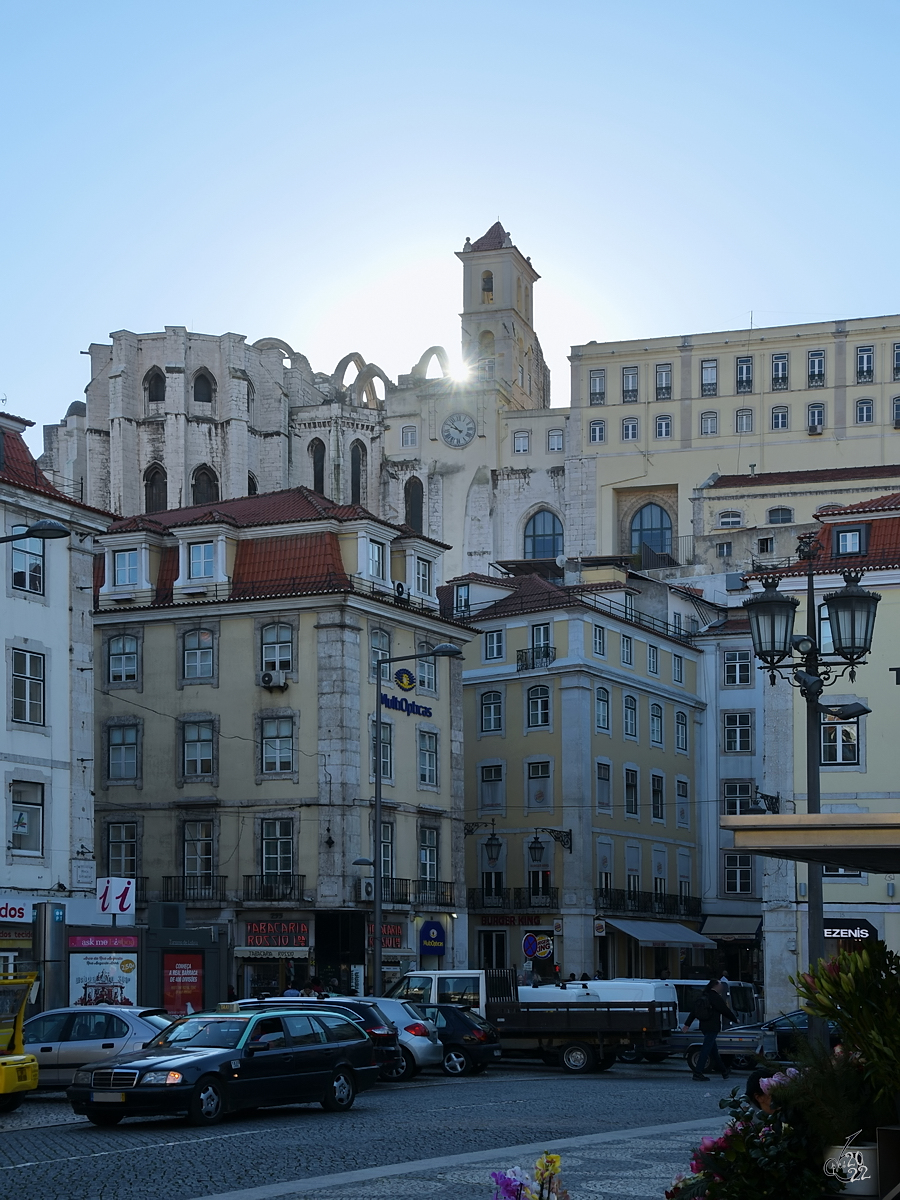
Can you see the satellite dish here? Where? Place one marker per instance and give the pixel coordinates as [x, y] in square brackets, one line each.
[561, 560]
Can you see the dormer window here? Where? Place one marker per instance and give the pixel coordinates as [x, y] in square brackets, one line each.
[376, 559]
[201, 563]
[424, 568]
[850, 540]
[125, 563]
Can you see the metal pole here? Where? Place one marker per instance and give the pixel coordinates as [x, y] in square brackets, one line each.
[815, 910]
[377, 945]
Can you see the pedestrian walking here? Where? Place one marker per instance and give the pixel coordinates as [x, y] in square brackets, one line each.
[708, 1010]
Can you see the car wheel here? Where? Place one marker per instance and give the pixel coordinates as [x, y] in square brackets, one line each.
[341, 1092]
[630, 1055]
[207, 1102]
[577, 1058]
[11, 1103]
[105, 1118]
[405, 1069]
[456, 1061]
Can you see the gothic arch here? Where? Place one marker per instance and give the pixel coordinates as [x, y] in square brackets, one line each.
[359, 473]
[155, 489]
[316, 451]
[203, 386]
[155, 386]
[204, 486]
[420, 370]
[414, 504]
[629, 504]
[535, 534]
[297, 360]
[363, 385]
[340, 370]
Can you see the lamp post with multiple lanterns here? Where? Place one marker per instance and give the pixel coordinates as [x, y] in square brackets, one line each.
[442, 650]
[851, 617]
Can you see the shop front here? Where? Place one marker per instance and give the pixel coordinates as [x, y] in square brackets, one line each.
[272, 956]
[523, 941]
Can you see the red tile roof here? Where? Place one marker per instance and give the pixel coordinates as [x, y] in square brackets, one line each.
[20, 468]
[882, 504]
[824, 475]
[494, 239]
[882, 554]
[278, 566]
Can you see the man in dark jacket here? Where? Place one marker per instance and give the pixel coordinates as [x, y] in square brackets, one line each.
[708, 1010]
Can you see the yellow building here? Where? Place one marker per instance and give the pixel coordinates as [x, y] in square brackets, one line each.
[581, 721]
[237, 662]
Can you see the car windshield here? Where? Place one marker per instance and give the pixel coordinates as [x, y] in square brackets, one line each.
[157, 1021]
[203, 1031]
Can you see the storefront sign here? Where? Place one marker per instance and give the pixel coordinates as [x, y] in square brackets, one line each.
[432, 939]
[401, 704]
[850, 929]
[115, 896]
[510, 919]
[599, 929]
[405, 679]
[276, 933]
[292, 953]
[15, 937]
[391, 936]
[101, 941]
[182, 982]
[103, 978]
[15, 910]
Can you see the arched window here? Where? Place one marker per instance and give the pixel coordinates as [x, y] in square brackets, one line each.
[317, 454]
[602, 709]
[709, 423]
[543, 535]
[156, 387]
[656, 724]
[123, 659]
[252, 485]
[198, 654]
[664, 426]
[743, 420]
[538, 707]
[730, 518]
[681, 734]
[413, 496]
[276, 648]
[487, 287]
[358, 480]
[865, 412]
[155, 498]
[651, 526]
[630, 712]
[780, 516]
[203, 388]
[780, 417]
[205, 489]
[491, 712]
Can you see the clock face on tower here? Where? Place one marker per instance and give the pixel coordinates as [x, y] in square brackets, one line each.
[458, 429]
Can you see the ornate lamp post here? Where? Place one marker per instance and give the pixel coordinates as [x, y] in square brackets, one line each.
[851, 613]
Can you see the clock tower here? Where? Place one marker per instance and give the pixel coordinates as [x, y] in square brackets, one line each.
[498, 338]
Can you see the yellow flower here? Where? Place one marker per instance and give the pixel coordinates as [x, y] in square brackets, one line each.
[547, 1166]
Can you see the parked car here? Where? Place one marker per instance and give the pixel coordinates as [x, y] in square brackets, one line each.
[419, 1042]
[64, 1039]
[469, 1042]
[208, 1064]
[366, 1013]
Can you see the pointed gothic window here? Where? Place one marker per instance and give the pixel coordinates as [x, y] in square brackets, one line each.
[155, 498]
[317, 454]
[413, 495]
[206, 486]
[358, 459]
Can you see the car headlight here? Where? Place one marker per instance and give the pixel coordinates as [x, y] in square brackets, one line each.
[162, 1077]
[82, 1079]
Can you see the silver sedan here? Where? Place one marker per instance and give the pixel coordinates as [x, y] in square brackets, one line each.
[64, 1039]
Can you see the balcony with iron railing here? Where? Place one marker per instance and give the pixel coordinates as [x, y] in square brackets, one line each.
[194, 889]
[629, 395]
[664, 392]
[535, 658]
[407, 891]
[779, 383]
[817, 380]
[709, 389]
[273, 888]
[635, 617]
[744, 387]
[482, 899]
[621, 902]
[140, 889]
[865, 375]
[598, 397]
[525, 900]
[676, 552]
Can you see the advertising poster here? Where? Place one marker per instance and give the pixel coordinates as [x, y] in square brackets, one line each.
[182, 982]
[103, 977]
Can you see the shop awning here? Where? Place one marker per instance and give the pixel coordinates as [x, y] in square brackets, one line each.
[662, 933]
[271, 952]
[856, 841]
[732, 929]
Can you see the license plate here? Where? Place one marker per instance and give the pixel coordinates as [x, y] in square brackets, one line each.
[108, 1097]
[496, 1053]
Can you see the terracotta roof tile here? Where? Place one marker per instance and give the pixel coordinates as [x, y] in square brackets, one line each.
[881, 504]
[20, 469]
[291, 566]
[823, 475]
[883, 552]
[494, 239]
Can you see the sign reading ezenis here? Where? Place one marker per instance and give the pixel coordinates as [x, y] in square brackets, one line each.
[850, 929]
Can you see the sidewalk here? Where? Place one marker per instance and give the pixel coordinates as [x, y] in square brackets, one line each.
[627, 1164]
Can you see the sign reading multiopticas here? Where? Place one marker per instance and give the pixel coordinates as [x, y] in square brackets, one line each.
[405, 679]
[432, 939]
[401, 704]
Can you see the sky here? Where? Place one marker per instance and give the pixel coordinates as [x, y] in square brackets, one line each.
[306, 170]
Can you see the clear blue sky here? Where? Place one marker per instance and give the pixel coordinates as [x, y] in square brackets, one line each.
[305, 170]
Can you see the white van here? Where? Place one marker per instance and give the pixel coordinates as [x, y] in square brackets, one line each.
[616, 991]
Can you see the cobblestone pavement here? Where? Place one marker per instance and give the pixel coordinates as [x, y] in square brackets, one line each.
[462, 1129]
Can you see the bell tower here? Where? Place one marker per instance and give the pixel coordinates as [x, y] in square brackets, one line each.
[498, 339]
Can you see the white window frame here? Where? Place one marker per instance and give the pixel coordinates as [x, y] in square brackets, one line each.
[125, 567]
[779, 411]
[599, 641]
[630, 429]
[494, 645]
[201, 560]
[409, 436]
[597, 432]
[554, 441]
[663, 426]
[709, 424]
[626, 649]
[681, 732]
[521, 442]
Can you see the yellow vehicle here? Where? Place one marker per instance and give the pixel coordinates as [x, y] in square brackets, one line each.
[18, 1071]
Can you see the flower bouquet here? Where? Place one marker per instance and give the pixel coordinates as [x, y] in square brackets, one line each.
[515, 1184]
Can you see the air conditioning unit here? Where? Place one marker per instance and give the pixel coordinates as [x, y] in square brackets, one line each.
[813, 429]
[273, 679]
[368, 889]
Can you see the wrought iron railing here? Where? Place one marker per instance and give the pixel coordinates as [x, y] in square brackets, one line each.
[480, 898]
[779, 383]
[525, 900]
[864, 376]
[407, 891]
[535, 658]
[274, 887]
[629, 395]
[678, 553]
[664, 392]
[744, 387]
[190, 888]
[619, 901]
[709, 389]
[815, 381]
[140, 889]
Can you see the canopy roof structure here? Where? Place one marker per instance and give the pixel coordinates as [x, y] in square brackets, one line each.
[855, 841]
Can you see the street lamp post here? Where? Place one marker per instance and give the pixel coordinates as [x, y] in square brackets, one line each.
[851, 615]
[442, 650]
